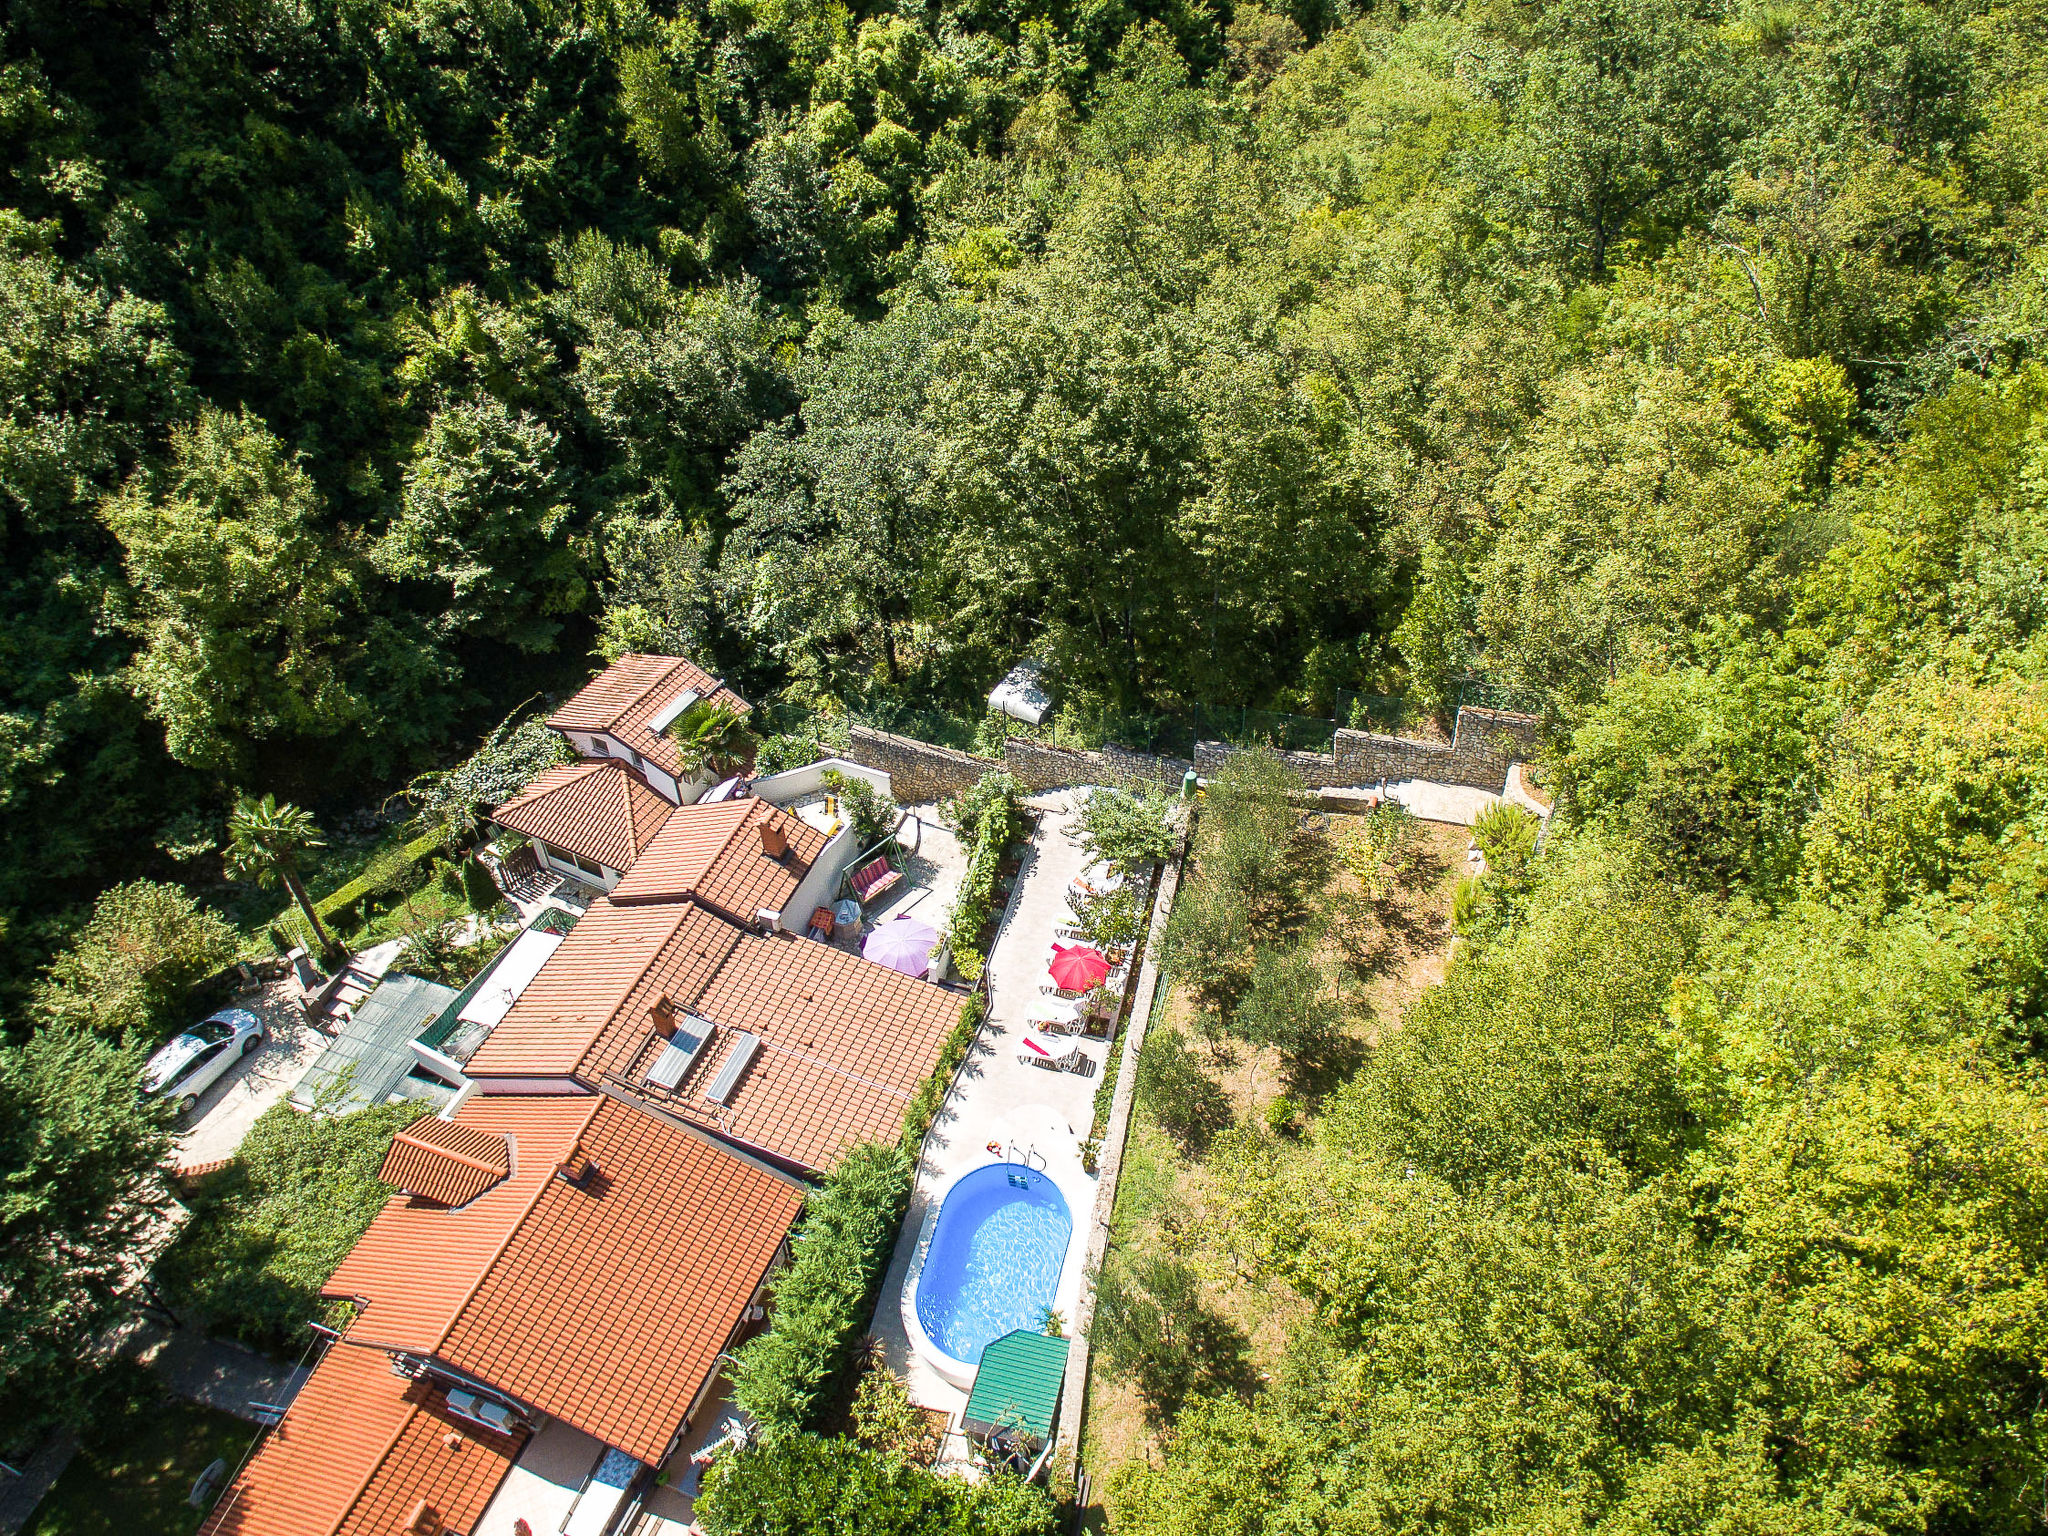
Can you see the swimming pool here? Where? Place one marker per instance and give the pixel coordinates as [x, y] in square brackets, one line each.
[993, 1262]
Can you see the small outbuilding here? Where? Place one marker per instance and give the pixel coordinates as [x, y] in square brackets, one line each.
[1022, 694]
[1017, 1385]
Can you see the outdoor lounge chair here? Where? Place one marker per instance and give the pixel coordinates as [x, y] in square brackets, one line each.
[872, 879]
[1073, 1061]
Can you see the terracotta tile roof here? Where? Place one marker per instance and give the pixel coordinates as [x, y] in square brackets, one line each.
[589, 1006]
[622, 698]
[412, 1302]
[604, 1305]
[845, 1044]
[715, 854]
[601, 810]
[439, 1160]
[358, 1451]
[610, 1305]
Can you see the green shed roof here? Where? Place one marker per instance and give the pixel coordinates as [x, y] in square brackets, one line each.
[1018, 1382]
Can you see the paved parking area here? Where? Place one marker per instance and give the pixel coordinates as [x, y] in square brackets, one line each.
[227, 1109]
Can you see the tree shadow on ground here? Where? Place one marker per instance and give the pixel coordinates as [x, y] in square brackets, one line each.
[1154, 1327]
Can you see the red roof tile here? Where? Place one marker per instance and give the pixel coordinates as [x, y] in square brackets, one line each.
[589, 1006]
[413, 1301]
[622, 698]
[604, 1305]
[601, 810]
[845, 1044]
[445, 1162]
[358, 1450]
[611, 1304]
[715, 853]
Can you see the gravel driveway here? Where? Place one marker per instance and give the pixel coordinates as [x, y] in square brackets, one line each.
[257, 1081]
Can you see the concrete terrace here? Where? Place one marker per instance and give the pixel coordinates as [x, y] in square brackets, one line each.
[1028, 1113]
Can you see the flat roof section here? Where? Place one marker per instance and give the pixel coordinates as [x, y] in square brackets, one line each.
[370, 1060]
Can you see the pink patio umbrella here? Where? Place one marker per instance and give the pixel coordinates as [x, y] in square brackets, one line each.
[902, 944]
[1077, 967]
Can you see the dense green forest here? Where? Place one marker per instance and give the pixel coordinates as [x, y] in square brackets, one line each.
[370, 364]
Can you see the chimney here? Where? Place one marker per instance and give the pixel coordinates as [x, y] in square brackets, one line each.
[773, 842]
[662, 1015]
[576, 1169]
[423, 1519]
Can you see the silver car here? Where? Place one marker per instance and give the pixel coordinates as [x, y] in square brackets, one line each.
[189, 1065]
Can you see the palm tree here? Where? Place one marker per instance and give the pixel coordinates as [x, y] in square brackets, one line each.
[265, 840]
[713, 737]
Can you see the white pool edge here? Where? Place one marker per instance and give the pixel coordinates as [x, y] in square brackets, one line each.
[1076, 1187]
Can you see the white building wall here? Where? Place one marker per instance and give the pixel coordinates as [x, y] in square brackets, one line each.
[822, 883]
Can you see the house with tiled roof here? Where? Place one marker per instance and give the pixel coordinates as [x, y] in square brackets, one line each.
[789, 1049]
[625, 711]
[588, 820]
[570, 1267]
[752, 863]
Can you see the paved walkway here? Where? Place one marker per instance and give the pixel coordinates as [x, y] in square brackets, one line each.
[257, 1081]
[1028, 1113]
[220, 1374]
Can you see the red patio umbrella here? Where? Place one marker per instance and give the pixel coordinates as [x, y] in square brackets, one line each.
[1077, 967]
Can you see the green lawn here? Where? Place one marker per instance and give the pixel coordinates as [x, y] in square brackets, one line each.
[138, 1484]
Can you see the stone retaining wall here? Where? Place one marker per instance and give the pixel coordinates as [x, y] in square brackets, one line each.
[1041, 767]
[1486, 742]
[918, 771]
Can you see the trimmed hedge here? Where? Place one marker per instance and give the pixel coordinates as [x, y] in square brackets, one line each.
[917, 1119]
[386, 870]
[791, 1377]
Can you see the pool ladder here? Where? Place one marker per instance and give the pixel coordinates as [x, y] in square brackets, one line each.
[1025, 1155]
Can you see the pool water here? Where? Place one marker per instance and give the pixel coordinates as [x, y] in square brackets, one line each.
[993, 1264]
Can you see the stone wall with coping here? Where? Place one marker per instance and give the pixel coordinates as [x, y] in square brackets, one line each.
[1486, 743]
[1039, 766]
[918, 771]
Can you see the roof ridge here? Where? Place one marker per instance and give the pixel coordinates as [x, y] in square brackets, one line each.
[511, 1231]
[710, 1139]
[450, 1152]
[725, 847]
[667, 672]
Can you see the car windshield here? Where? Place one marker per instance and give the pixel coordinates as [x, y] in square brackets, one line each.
[173, 1058]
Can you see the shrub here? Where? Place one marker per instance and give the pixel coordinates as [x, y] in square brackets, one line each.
[917, 1119]
[999, 819]
[1127, 830]
[788, 749]
[1153, 1327]
[395, 868]
[801, 1484]
[133, 965]
[788, 1376]
[963, 813]
[1188, 1104]
[1283, 1116]
[1380, 848]
[1111, 919]
[872, 813]
[1506, 834]
[886, 1420]
[266, 1233]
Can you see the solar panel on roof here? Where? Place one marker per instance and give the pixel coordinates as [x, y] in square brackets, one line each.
[742, 1056]
[674, 1061]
